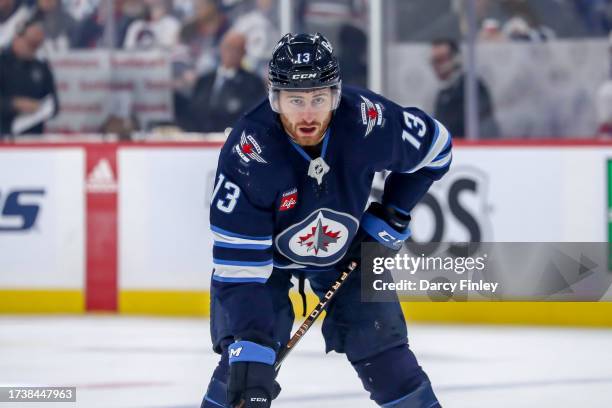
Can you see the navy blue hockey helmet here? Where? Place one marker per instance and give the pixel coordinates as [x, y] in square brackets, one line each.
[303, 62]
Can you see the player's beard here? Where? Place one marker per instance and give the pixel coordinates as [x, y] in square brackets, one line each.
[298, 131]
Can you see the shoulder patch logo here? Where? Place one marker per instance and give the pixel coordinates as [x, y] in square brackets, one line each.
[371, 115]
[248, 149]
[288, 200]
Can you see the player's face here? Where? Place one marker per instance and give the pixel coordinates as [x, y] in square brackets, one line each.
[306, 114]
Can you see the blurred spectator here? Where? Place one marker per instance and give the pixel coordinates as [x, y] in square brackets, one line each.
[60, 27]
[27, 87]
[202, 35]
[81, 9]
[127, 11]
[197, 53]
[261, 33]
[91, 30]
[121, 119]
[424, 20]
[523, 24]
[158, 28]
[491, 31]
[182, 8]
[450, 101]
[505, 20]
[596, 15]
[13, 13]
[222, 96]
[519, 29]
[604, 101]
[324, 15]
[353, 55]
[184, 77]
[560, 17]
[122, 127]
[328, 17]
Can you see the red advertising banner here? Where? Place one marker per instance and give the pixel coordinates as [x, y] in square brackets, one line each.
[101, 231]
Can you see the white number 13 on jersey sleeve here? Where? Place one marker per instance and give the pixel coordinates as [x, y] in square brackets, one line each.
[415, 126]
[228, 203]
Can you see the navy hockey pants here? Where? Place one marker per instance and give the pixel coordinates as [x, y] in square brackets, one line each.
[372, 335]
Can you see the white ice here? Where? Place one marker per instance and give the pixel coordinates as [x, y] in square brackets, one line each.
[152, 362]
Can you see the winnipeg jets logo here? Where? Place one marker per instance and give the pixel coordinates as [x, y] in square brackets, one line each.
[371, 115]
[248, 149]
[319, 238]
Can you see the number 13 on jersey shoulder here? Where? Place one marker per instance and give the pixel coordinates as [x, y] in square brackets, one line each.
[415, 129]
[232, 193]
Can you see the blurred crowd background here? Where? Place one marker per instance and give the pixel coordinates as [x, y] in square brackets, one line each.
[135, 68]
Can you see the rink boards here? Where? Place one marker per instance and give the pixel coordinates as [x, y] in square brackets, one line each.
[124, 227]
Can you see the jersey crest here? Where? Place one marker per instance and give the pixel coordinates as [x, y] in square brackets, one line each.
[320, 239]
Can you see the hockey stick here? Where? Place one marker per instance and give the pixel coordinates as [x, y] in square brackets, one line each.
[312, 317]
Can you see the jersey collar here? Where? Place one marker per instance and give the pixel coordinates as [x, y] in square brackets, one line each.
[305, 155]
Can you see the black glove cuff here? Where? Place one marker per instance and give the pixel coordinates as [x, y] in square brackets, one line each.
[390, 215]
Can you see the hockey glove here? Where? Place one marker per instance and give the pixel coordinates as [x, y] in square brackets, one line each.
[252, 375]
[382, 225]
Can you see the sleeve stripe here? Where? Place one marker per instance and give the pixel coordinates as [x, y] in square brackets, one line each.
[302, 268]
[239, 280]
[240, 246]
[241, 263]
[445, 152]
[235, 235]
[289, 266]
[245, 272]
[440, 142]
[222, 235]
[444, 161]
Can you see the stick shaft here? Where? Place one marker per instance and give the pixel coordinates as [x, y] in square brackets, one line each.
[307, 324]
[312, 317]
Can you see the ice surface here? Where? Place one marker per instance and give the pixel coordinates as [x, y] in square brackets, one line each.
[154, 362]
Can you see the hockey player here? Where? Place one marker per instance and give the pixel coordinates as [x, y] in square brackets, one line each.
[293, 180]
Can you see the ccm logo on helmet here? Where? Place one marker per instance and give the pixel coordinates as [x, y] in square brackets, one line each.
[303, 76]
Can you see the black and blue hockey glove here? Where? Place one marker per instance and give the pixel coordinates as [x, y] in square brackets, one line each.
[252, 375]
[383, 225]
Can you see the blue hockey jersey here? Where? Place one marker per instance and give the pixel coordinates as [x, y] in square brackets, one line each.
[274, 208]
